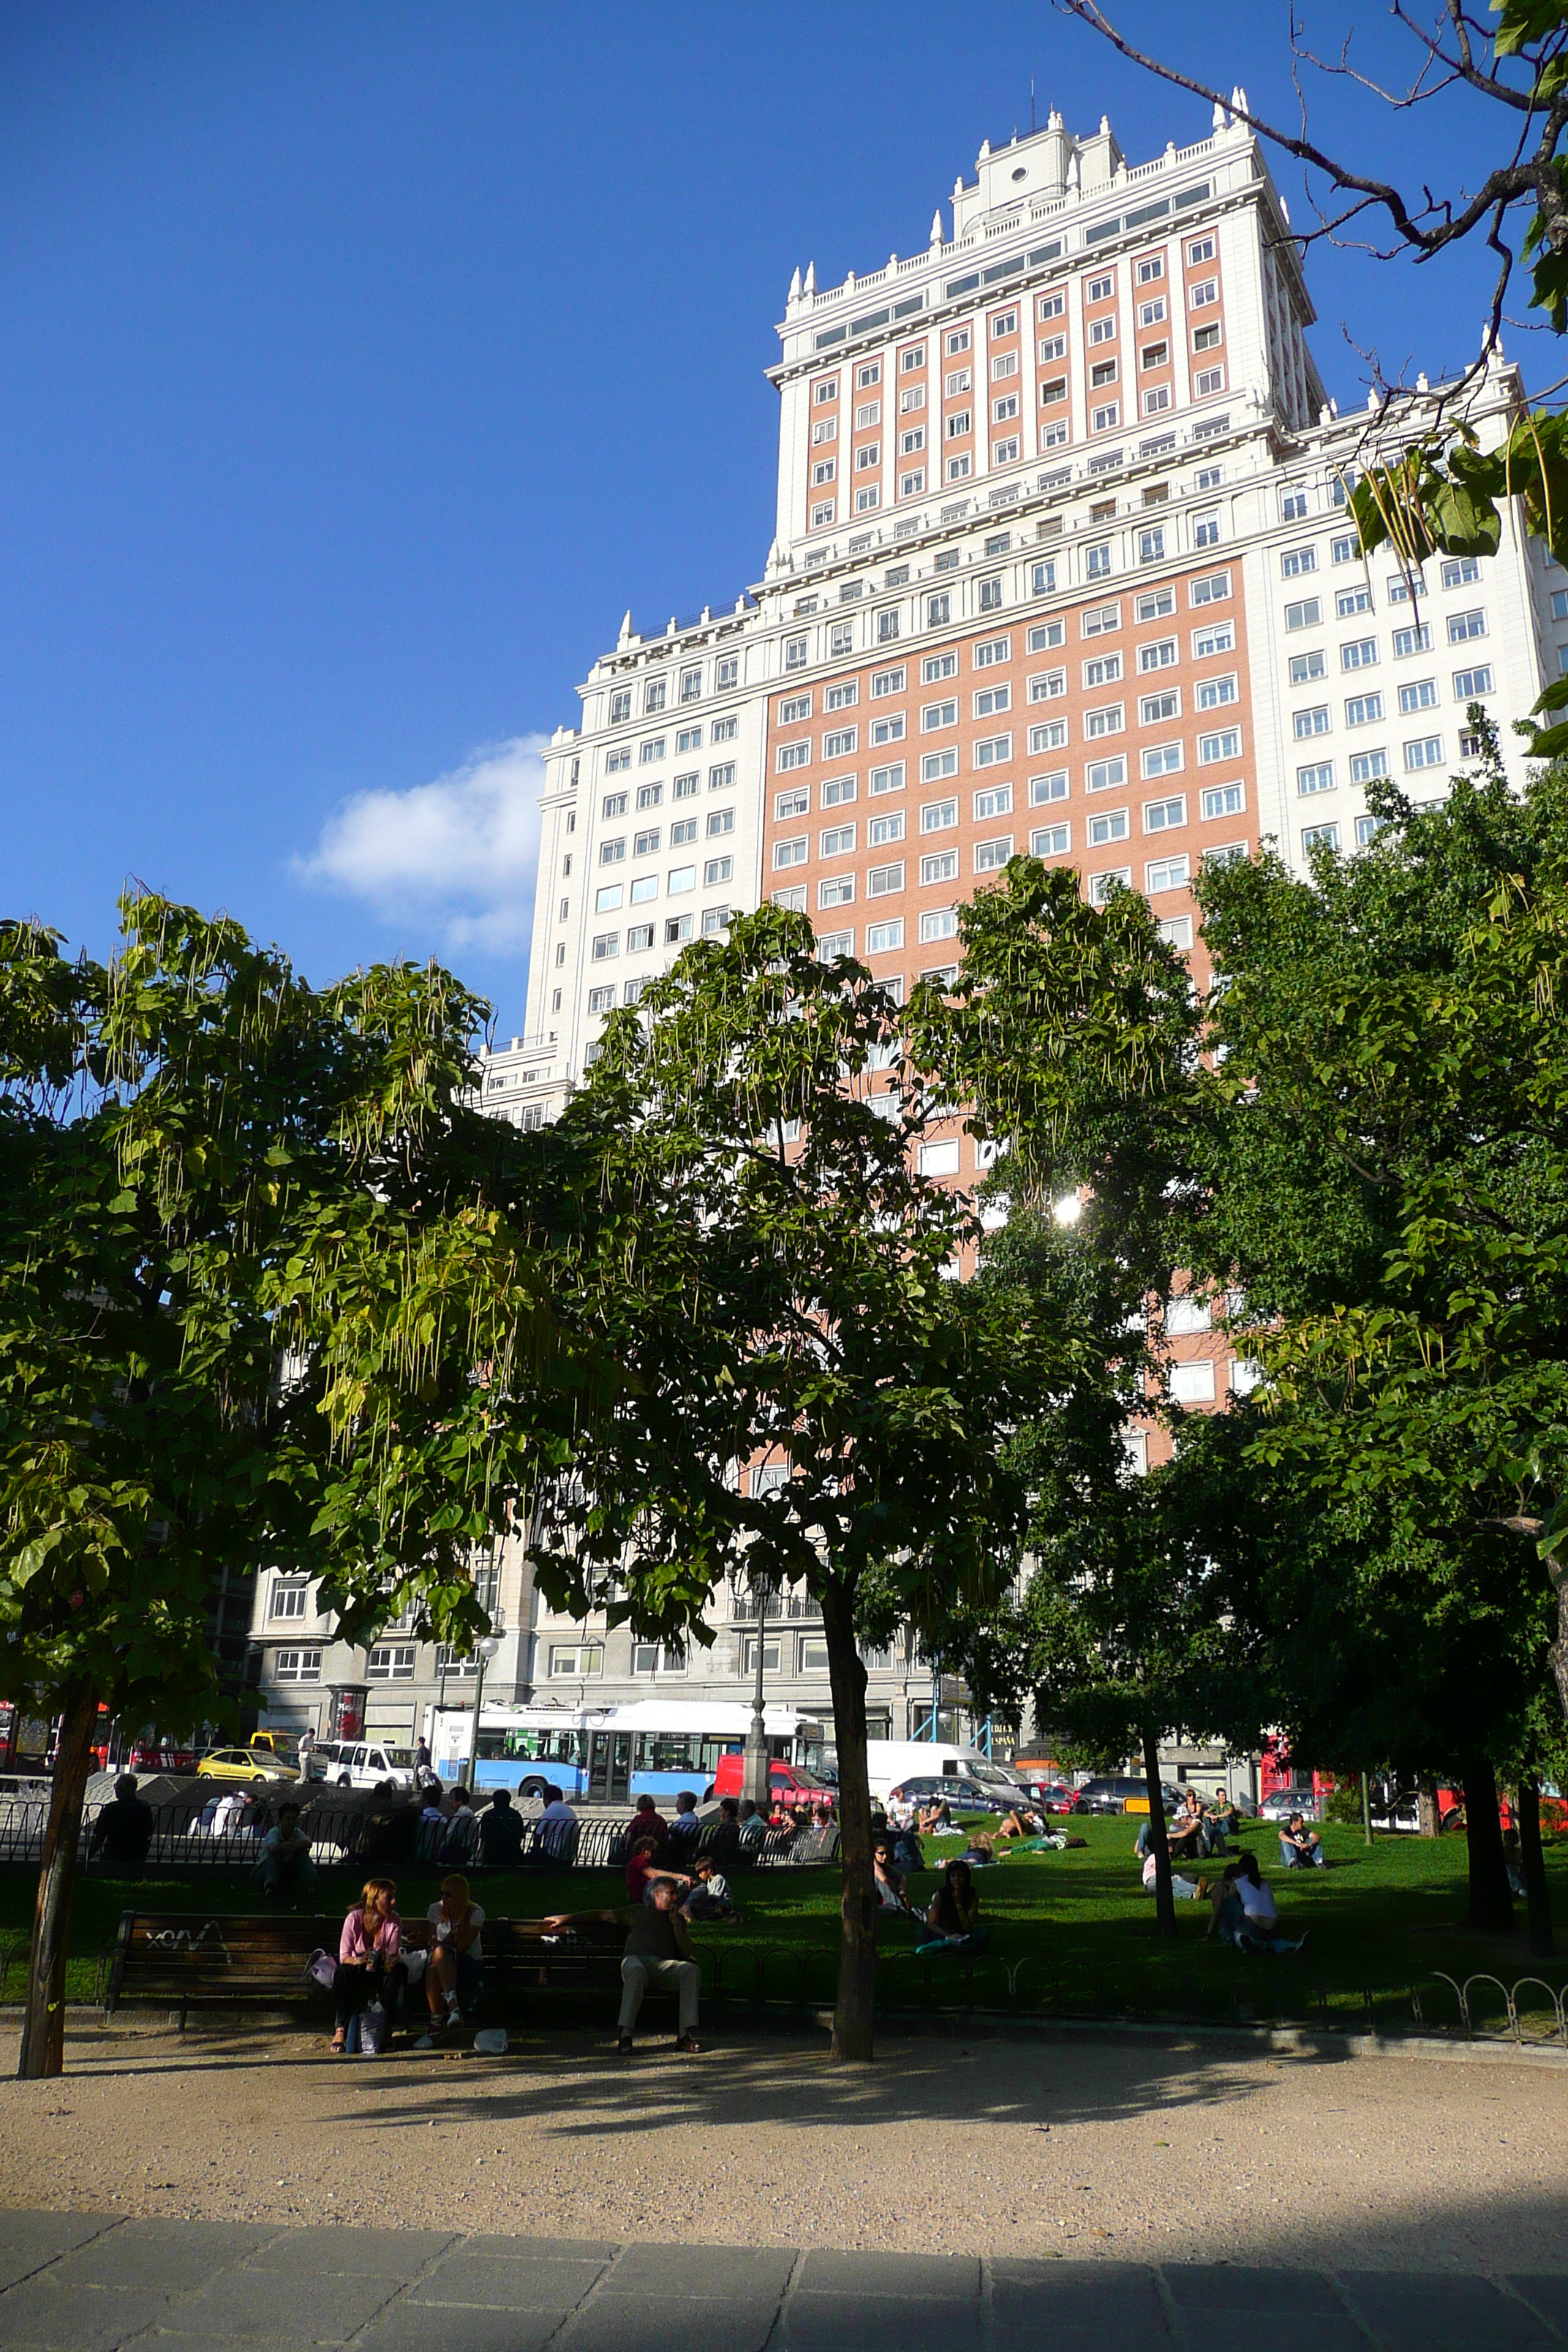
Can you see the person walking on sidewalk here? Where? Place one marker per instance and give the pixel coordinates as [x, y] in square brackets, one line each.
[658, 1950]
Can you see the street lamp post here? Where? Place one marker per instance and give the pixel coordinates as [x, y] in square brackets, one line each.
[485, 1649]
[754, 1775]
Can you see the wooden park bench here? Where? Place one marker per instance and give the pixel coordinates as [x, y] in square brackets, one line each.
[185, 1959]
[248, 1962]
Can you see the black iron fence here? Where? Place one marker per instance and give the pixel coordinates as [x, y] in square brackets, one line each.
[212, 1827]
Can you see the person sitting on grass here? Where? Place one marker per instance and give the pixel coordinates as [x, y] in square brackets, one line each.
[1017, 1825]
[1188, 1833]
[644, 1872]
[979, 1853]
[905, 1849]
[658, 1949]
[1258, 1928]
[369, 1952]
[891, 1900]
[954, 1922]
[934, 1817]
[285, 1867]
[455, 1972]
[1300, 1847]
[708, 1896]
[1223, 1820]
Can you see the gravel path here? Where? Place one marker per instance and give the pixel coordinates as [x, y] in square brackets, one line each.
[1141, 2150]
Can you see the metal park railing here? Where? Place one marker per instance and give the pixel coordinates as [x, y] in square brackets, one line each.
[209, 1826]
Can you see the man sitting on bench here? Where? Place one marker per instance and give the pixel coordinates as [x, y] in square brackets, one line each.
[657, 1950]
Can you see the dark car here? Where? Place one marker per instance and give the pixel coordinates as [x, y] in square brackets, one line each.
[1113, 1793]
[963, 1796]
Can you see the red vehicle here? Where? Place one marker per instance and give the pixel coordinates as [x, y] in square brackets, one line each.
[1053, 1796]
[793, 1782]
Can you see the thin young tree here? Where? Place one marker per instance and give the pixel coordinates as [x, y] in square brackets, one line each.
[266, 1297]
[812, 1398]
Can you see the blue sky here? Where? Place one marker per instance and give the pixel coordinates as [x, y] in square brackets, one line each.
[360, 364]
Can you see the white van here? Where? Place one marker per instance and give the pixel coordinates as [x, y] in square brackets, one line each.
[891, 1761]
[363, 1763]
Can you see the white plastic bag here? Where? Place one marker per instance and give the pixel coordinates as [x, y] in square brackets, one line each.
[415, 1962]
[489, 2041]
[373, 2029]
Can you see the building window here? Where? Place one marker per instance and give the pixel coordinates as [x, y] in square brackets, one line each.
[1192, 1384]
[576, 1662]
[296, 1665]
[287, 1598]
[1319, 836]
[391, 1662]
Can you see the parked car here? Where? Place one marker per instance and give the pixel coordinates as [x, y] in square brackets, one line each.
[963, 1795]
[284, 1744]
[1053, 1796]
[890, 1763]
[794, 1783]
[238, 1764]
[1286, 1801]
[1122, 1792]
[365, 1763]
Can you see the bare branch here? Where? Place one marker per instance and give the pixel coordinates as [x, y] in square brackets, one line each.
[1536, 179]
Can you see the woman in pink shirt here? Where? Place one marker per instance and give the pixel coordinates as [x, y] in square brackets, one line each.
[369, 1947]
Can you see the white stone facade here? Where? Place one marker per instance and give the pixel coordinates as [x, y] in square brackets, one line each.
[1084, 417]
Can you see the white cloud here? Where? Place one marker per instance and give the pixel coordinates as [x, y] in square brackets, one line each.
[461, 851]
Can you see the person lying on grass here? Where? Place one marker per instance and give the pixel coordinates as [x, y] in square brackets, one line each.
[1185, 1890]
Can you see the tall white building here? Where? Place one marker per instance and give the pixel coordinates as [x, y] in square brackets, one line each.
[1061, 564]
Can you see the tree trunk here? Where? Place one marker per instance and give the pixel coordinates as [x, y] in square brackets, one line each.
[852, 2023]
[1165, 1901]
[1428, 1817]
[44, 2025]
[1490, 1904]
[1557, 1655]
[1537, 1900]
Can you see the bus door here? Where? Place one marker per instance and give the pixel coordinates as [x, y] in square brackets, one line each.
[609, 1767]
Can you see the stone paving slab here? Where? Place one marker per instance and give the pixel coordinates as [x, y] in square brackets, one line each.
[90, 2282]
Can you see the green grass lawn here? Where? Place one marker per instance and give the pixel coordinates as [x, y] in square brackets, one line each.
[1075, 1931]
